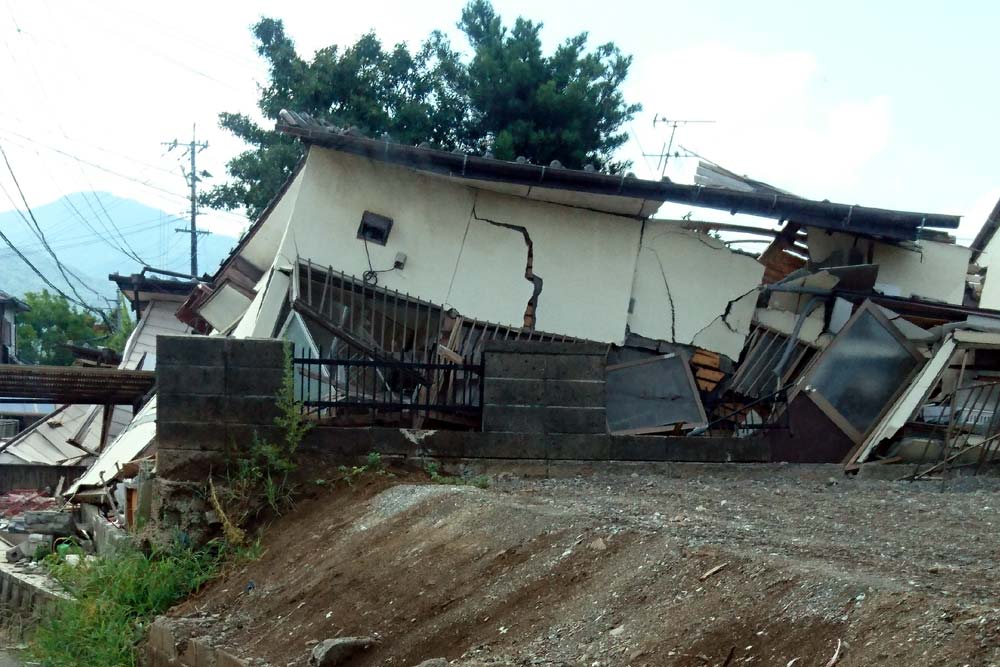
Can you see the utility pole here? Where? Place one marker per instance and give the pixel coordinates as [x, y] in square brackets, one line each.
[192, 177]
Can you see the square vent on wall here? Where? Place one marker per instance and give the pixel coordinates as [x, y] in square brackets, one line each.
[374, 227]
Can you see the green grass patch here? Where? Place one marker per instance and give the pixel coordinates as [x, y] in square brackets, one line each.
[115, 598]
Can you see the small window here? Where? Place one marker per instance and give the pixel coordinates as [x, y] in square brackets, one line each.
[374, 227]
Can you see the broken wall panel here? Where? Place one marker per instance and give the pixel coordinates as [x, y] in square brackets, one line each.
[647, 392]
[934, 270]
[455, 257]
[430, 218]
[689, 288]
[224, 307]
[503, 250]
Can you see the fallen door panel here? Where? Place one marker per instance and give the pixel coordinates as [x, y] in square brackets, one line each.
[657, 391]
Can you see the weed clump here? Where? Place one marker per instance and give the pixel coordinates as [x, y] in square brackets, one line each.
[259, 478]
[114, 599]
[433, 470]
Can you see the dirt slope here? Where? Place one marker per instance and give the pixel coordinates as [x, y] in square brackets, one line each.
[612, 571]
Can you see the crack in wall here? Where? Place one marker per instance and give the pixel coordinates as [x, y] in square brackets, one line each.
[725, 314]
[531, 309]
[670, 296]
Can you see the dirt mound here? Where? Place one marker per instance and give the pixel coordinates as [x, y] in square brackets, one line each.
[622, 571]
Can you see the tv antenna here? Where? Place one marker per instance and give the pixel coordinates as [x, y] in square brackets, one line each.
[664, 155]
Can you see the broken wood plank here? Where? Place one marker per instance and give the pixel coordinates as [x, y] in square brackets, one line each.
[450, 355]
[705, 385]
[703, 358]
[717, 568]
[851, 467]
[712, 376]
[631, 364]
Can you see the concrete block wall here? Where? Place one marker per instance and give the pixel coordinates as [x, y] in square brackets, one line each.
[25, 594]
[213, 394]
[544, 388]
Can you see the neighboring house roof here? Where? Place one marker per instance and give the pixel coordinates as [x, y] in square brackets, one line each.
[139, 289]
[48, 441]
[622, 195]
[128, 446]
[8, 300]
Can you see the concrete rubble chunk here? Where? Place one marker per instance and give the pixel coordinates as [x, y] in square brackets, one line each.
[434, 662]
[49, 522]
[337, 651]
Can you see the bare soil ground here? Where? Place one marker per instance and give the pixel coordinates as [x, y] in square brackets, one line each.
[622, 570]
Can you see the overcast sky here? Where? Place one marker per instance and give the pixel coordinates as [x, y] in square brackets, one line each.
[889, 104]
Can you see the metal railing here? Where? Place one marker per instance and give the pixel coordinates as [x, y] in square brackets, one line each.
[329, 387]
[969, 421]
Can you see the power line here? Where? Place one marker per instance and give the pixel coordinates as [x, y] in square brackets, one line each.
[94, 236]
[41, 236]
[113, 172]
[69, 204]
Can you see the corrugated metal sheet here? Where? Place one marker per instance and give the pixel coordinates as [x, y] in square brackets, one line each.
[48, 441]
[128, 446]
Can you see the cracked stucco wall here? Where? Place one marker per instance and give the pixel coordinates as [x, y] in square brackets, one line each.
[692, 289]
[585, 258]
[937, 271]
[465, 249]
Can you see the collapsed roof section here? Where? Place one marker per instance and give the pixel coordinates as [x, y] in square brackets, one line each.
[621, 195]
[74, 433]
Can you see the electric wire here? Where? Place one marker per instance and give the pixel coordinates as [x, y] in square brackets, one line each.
[41, 235]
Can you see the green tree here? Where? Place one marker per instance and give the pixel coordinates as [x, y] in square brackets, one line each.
[567, 106]
[52, 323]
[509, 98]
[413, 97]
[124, 326]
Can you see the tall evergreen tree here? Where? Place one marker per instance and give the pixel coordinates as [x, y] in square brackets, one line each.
[509, 98]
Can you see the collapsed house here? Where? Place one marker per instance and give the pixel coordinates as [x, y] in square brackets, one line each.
[375, 252]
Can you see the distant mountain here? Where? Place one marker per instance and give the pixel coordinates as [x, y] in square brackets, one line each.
[79, 229]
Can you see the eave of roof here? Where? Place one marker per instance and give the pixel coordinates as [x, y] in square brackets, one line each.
[7, 299]
[986, 233]
[141, 283]
[261, 219]
[862, 220]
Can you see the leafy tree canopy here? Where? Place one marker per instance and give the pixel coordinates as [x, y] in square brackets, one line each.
[53, 323]
[508, 98]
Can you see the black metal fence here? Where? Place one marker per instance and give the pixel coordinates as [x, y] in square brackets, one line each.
[328, 387]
